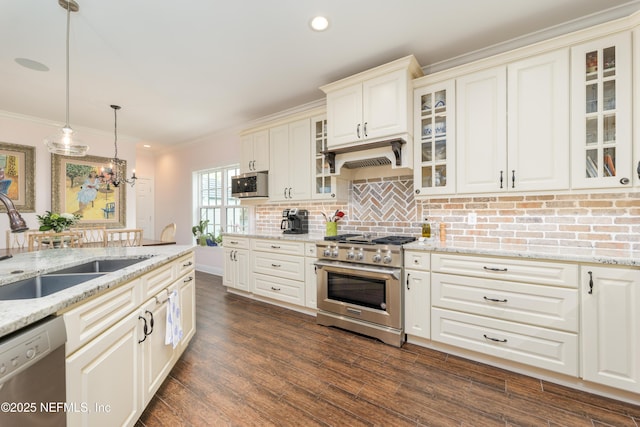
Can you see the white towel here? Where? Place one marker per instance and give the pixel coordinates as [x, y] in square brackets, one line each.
[173, 333]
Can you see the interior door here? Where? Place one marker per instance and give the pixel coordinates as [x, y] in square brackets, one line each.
[144, 207]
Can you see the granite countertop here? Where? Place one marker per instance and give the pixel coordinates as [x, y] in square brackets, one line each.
[15, 314]
[307, 238]
[552, 253]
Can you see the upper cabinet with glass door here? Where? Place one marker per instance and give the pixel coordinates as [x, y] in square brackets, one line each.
[434, 139]
[601, 113]
[325, 184]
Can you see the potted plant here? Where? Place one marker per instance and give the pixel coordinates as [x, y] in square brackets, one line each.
[200, 232]
[57, 221]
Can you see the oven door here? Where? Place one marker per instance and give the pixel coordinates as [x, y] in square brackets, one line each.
[368, 293]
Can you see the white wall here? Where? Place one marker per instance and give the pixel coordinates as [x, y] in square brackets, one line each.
[173, 188]
[15, 129]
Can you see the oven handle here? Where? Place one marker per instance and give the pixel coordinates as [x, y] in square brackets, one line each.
[396, 273]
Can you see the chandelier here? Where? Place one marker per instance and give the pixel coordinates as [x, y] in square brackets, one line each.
[64, 142]
[115, 174]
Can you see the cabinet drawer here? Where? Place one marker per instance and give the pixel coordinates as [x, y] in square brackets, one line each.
[417, 260]
[310, 250]
[544, 348]
[90, 319]
[279, 247]
[285, 266]
[544, 306]
[539, 272]
[184, 264]
[291, 291]
[235, 242]
[158, 279]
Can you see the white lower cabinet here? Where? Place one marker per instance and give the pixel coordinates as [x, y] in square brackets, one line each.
[611, 326]
[519, 310]
[278, 270]
[115, 364]
[236, 262]
[417, 294]
[311, 277]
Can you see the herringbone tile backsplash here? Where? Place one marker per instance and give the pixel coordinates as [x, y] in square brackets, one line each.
[388, 206]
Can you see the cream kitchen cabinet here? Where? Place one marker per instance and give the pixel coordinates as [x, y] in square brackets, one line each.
[512, 126]
[236, 262]
[417, 294]
[434, 139]
[326, 185]
[254, 152]
[611, 326]
[278, 270]
[519, 310]
[311, 276]
[290, 151]
[116, 357]
[601, 117]
[373, 105]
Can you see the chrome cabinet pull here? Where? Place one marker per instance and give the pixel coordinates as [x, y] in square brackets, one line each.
[494, 268]
[590, 282]
[494, 299]
[494, 339]
[365, 130]
[358, 130]
[151, 321]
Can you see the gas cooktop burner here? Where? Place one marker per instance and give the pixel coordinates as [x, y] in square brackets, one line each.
[368, 240]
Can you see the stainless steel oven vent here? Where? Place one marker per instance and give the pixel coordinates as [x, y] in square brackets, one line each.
[378, 161]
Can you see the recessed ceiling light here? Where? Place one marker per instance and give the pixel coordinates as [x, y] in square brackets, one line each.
[146, 146]
[31, 64]
[319, 23]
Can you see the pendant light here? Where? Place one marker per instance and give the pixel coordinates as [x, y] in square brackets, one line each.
[64, 142]
[116, 174]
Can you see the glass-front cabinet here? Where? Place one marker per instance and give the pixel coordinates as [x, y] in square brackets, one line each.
[325, 185]
[434, 139]
[601, 113]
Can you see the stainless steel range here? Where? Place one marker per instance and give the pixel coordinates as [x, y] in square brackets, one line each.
[359, 285]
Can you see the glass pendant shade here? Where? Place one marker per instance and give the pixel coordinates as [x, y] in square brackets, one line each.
[66, 144]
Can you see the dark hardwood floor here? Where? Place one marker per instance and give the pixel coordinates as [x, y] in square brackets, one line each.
[254, 364]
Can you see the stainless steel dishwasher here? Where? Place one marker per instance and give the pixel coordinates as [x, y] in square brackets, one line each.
[32, 375]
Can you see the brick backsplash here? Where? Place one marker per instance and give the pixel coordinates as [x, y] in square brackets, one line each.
[387, 206]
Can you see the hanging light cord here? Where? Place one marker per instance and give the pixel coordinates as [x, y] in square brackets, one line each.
[68, 26]
[115, 132]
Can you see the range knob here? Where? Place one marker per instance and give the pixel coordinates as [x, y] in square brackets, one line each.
[360, 255]
[377, 257]
[327, 251]
[387, 258]
[335, 252]
[351, 254]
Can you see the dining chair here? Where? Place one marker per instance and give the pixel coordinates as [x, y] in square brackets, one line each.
[93, 236]
[124, 237]
[51, 240]
[168, 233]
[18, 242]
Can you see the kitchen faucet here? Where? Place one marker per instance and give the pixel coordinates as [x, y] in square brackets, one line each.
[17, 224]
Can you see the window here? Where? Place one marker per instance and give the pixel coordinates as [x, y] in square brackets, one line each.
[214, 201]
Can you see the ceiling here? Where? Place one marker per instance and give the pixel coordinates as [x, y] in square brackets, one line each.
[185, 70]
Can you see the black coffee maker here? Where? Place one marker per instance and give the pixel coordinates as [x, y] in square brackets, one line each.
[295, 221]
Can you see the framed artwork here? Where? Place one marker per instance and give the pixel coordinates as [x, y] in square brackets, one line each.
[17, 166]
[83, 185]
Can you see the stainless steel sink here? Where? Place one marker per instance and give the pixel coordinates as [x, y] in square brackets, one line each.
[41, 286]
[101, 266]
[47, 284]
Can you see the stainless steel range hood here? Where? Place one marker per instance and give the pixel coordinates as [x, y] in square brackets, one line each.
[394, 152]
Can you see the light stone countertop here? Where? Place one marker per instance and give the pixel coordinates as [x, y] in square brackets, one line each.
[548, 253]
[534, 252]
[16, 314]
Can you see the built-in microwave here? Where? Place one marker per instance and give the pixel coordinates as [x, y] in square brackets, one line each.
[252, 184]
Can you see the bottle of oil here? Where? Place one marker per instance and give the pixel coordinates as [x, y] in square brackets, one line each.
[426, 229]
